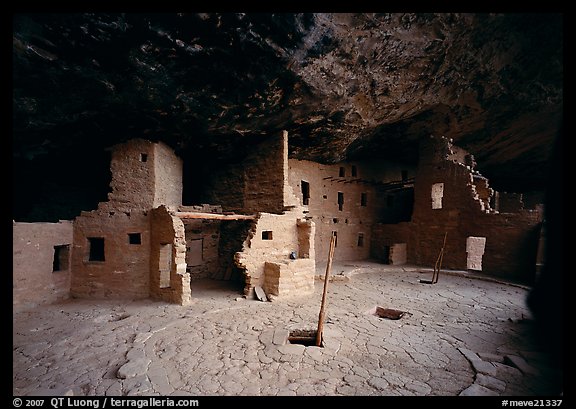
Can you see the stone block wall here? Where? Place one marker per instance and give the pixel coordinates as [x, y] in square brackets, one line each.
[202, 243]
[167, 176]
[358, 187]
[33, 252]
[169, 280]
[398, 254]
[510, 202]
[511, 238]
[123, 268]
[145, 175]
[273, 238]
[289, 277]
[257, 184]
[132, 168]
[511, 243]
[386, 236]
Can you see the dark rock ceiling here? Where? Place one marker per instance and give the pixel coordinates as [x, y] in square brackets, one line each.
[345, 86]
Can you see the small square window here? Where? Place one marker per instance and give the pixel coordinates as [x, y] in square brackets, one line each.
[134, 238]
[143, 157]
[267, 235]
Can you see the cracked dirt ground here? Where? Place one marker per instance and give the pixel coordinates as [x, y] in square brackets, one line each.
[464, 336]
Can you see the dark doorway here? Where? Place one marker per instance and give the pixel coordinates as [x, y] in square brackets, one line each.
[305, 186]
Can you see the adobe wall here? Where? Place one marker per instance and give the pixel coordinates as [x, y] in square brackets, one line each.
[145, 175]
[132, 167]
[511, 243]
[233, 233]
[273, 238]
[352, 224]
[34, 281]
[385, 236]
[125, 271]
[256, 184]
[511, 238]
[167, 230]
[167, 176]
[202, 242]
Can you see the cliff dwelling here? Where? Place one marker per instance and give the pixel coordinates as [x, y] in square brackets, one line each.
[194, 186]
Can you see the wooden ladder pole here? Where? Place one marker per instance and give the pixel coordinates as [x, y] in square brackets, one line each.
[322, 314]
[440, 258]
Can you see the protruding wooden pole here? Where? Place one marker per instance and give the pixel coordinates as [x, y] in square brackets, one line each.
[322, 314]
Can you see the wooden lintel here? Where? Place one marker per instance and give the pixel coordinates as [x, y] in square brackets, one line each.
[213, 216]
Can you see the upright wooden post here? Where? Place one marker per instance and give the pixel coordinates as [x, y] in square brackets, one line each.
[322, 314]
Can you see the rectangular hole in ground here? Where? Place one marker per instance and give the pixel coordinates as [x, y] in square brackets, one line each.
[306, 337]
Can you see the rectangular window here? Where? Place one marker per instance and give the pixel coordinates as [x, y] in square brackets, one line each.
[143, 157]
[61, 258]
[134, 238]
[305, 186]
[364, 199]
[96, 251]
[340, 201]
[404, 175]
[267, 235]
[342, 172]
[335, 234]
[360, 239]
[354, 171]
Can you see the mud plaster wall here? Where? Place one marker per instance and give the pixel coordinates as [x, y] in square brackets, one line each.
[386, 236]
[132, 184]
[126, 269]
[511, 239]
[34, 282]
[202, 242]
[233, 233]
[256, 184]
[284, 240]
[354, 219]
[167, 229]
[145, 175]
[167, 176]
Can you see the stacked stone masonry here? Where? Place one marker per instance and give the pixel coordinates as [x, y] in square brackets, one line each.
[135, 245]
[511, 238]
[41, 263]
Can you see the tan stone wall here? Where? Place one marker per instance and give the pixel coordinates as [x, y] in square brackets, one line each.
[125, 271]
[511, 238]
[354, 219]
[510, 202]
[145, 175]
[34, 281]
[167, 176]
[202, 241]
[272, 240]
[289, 278]
[169, 230]
[132, 178]
[258, 183]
